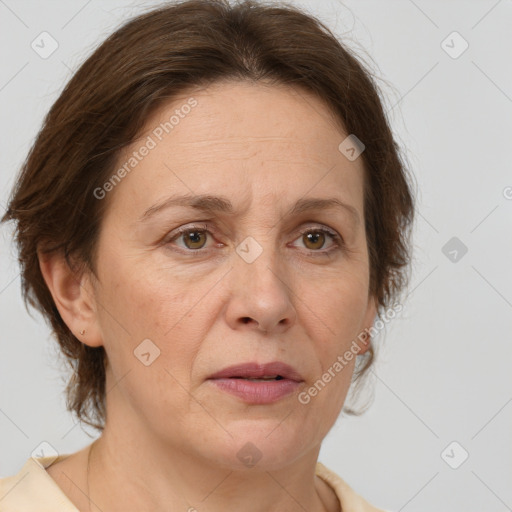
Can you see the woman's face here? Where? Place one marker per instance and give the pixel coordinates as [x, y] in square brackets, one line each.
[251, 280]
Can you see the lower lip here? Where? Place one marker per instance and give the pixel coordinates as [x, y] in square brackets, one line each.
[258, 392]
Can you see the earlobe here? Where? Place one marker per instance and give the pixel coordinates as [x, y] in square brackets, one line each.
[73, 295]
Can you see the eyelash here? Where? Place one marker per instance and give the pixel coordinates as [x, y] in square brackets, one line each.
[338, 242]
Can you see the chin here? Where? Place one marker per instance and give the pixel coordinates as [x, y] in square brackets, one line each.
[266, 445]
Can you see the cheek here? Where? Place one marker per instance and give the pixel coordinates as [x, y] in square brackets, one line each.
[333, 317]
[148, 301]
[148, 304]
[339, 306]
[142, 316]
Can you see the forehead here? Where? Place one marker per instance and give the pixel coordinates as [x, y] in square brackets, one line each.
[241, 112]
[280, 140]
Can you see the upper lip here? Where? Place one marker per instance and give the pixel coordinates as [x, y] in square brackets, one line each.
[255, 370]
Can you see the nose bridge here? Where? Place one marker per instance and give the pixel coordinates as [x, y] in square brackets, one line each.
[258, 259]
[262, 291]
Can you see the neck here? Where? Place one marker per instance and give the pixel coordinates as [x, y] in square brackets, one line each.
[150, 476]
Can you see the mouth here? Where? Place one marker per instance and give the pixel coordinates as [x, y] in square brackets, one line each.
[253, 371]
[258, 384]
[262, 379]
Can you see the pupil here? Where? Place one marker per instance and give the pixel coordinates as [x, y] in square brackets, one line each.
[194, 237]
[314, 237]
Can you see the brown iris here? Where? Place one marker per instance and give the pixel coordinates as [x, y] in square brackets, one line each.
[195, 237]
[314, 238]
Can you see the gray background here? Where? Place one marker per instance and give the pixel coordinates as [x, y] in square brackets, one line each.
[443, 373]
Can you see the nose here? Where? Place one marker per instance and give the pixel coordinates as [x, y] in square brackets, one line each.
[262, 297]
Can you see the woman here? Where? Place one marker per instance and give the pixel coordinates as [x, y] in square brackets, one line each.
[211, 218]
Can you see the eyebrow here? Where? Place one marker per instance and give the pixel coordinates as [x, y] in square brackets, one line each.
[219, 204]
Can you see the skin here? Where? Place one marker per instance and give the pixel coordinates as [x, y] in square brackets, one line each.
[171, 438]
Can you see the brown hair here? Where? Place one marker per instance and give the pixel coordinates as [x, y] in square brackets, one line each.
[148, 61]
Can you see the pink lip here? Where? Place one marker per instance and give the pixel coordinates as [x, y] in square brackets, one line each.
[233, 380]
[255, 370]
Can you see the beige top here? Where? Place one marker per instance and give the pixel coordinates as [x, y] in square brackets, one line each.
[34, 490]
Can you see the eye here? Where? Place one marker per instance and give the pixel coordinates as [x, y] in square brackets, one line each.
[194, 237]
[314, 239]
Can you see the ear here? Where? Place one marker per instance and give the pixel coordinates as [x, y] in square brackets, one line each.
[74, 297]
[369, 319]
